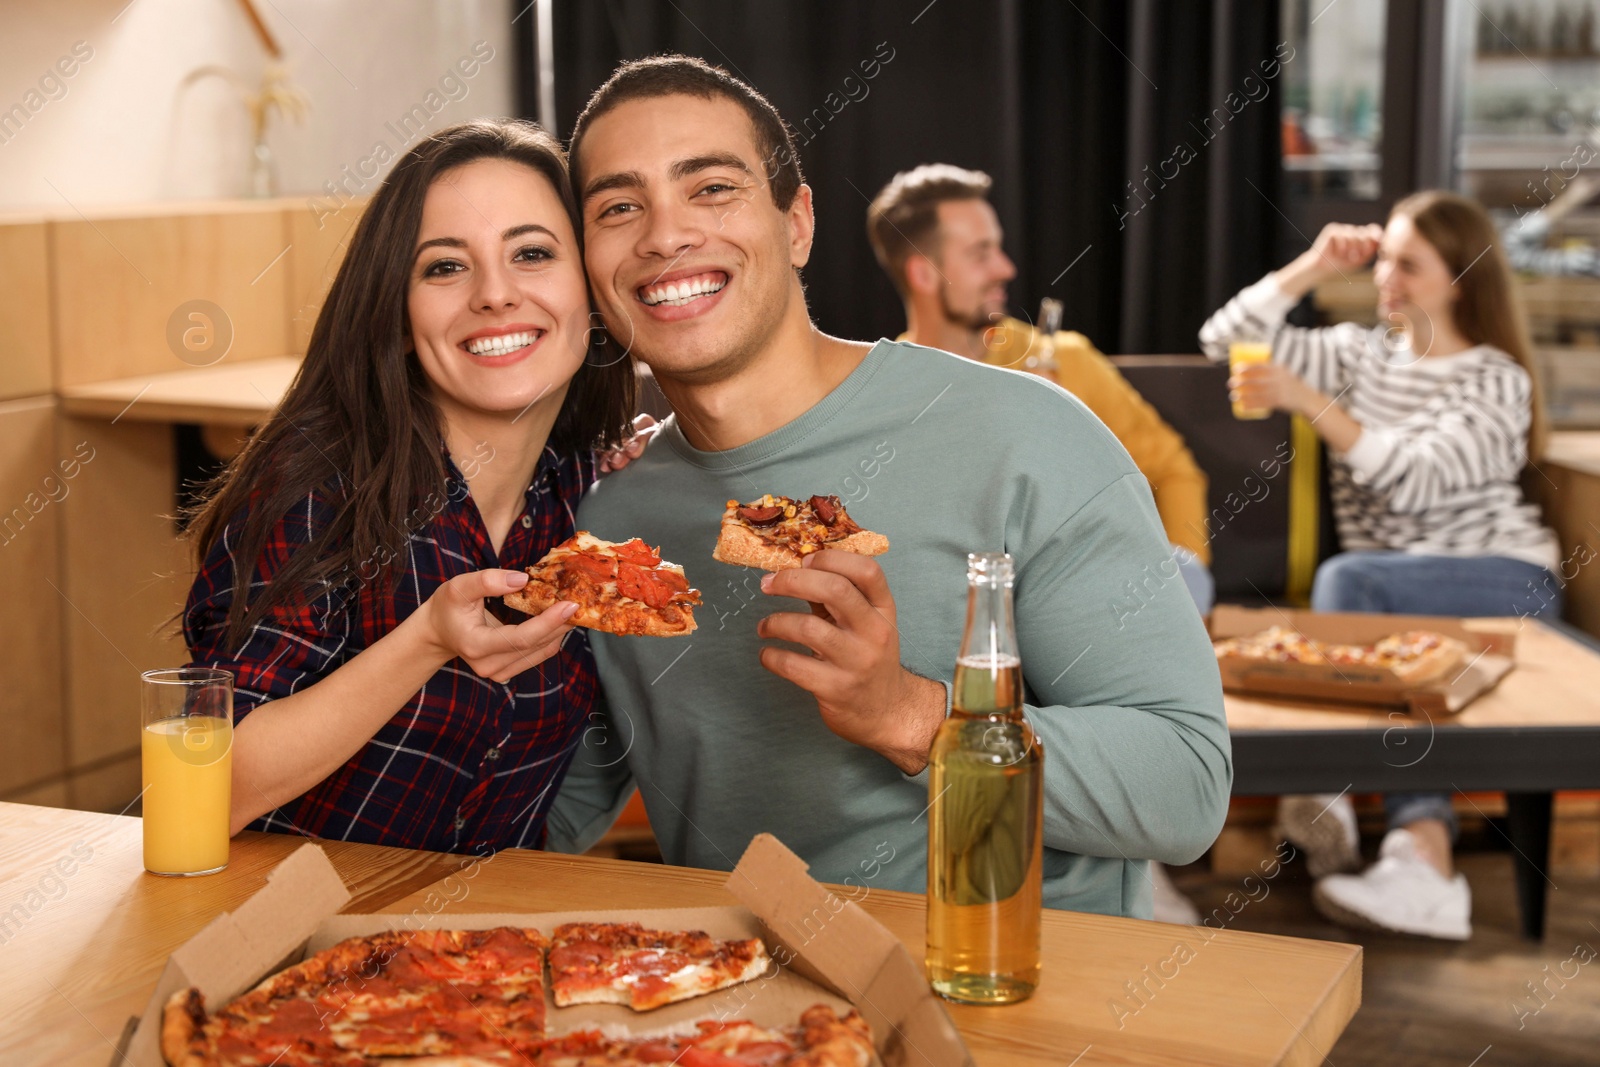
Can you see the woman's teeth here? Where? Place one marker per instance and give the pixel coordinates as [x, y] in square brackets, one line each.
[677, 294]
[499, 346]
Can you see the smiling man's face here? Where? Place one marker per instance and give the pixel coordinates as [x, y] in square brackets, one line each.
[691, 262]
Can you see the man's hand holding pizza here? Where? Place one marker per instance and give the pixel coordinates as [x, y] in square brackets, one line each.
[864, 694]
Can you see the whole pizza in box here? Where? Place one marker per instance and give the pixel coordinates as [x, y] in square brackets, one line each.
[453, 998]
[1409, 658]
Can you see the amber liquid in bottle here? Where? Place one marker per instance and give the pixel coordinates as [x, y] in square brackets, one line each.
[985, 820]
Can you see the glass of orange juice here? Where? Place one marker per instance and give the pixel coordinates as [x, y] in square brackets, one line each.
[187, 757]
[1244, 354]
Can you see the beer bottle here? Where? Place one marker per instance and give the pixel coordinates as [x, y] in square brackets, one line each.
[985, 816]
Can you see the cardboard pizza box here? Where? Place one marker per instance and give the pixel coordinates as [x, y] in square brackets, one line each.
[1491, 655]
[829, 951]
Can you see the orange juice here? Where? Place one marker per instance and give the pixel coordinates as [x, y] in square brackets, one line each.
[1244, 354]
[188, 775]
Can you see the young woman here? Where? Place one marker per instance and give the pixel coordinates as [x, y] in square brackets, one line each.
[1429, 420]
[436, 440]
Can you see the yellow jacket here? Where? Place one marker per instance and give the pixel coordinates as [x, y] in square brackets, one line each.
[1175, 479]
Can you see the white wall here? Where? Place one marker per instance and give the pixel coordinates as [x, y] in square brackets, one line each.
[123, 129]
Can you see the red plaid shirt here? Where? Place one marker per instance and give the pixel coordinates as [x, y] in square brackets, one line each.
[467, 765]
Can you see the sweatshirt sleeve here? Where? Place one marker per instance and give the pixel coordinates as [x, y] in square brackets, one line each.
[1475, 433]
[597, 787]
[1325, 357]
[1138, 763]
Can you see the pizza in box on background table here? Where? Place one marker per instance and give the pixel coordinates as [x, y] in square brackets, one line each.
[1413, 657]
[478, 997]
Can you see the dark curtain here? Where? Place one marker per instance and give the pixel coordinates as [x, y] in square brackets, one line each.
[1065, 104]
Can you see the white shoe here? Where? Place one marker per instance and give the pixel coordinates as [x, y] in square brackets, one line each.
[1171, 906]
[1402, 893]
[1323, 827]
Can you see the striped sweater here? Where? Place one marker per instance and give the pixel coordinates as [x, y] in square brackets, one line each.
[1443, 438]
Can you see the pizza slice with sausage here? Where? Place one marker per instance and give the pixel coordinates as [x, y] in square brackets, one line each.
[777, 533]
[620, 588]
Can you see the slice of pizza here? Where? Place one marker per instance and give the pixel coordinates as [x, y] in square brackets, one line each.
[1277, 644]
[777, 533]
[396, 993]
[1420, 656]
[823, 1038]
[619, 588]
[625, 963]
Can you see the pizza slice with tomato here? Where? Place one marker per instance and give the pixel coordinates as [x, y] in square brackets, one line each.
[621, 588]
[476, 993]
[626, 963]
[823, 1038]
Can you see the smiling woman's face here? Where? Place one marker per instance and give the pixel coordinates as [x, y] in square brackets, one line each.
[498, 306]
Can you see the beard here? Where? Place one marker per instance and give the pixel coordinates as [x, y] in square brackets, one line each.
[976, 319]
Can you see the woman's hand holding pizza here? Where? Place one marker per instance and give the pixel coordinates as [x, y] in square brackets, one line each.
[864, 694]
[458, 624]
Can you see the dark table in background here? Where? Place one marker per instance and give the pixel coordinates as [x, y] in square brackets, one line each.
[1535, 733]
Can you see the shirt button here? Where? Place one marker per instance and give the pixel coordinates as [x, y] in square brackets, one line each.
[460, 822]
[527, 522]
[492, 754]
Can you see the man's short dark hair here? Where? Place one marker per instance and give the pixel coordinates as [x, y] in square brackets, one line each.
[670, 75]
[904, 217]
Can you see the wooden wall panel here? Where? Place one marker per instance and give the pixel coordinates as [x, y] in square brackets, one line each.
[33, 494]
[109, 787]
[116, 282]
[53, 795]
[124, 575]
[24, 308]
[317, 245]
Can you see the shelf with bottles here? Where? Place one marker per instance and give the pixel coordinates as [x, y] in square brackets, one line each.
[1560, 30]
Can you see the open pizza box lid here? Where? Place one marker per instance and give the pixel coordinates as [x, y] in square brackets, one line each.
[1491, 648]
[828, 950]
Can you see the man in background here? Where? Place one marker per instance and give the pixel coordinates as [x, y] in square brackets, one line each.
[939, 240]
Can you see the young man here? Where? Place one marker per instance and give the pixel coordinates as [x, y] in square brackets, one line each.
[815, 725]
[939, 240]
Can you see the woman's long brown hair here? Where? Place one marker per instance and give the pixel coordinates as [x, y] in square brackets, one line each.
[358, 425]
[1488, 311]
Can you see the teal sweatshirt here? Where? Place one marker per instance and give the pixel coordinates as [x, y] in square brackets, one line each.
[945, 456]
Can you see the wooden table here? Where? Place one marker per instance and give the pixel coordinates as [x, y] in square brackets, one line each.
[239, 394]
[1538, 731]
[84, 960]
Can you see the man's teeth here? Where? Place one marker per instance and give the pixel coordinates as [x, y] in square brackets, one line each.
[499, 346]
[677, 294]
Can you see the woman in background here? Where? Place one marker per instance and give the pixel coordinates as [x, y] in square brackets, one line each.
[1429, 423]
[435, 441]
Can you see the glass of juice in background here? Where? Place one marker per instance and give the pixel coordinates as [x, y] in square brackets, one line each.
[1244, 354]
[187, 757]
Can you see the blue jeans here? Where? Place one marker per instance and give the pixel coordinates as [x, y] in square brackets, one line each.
[1396, 583]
